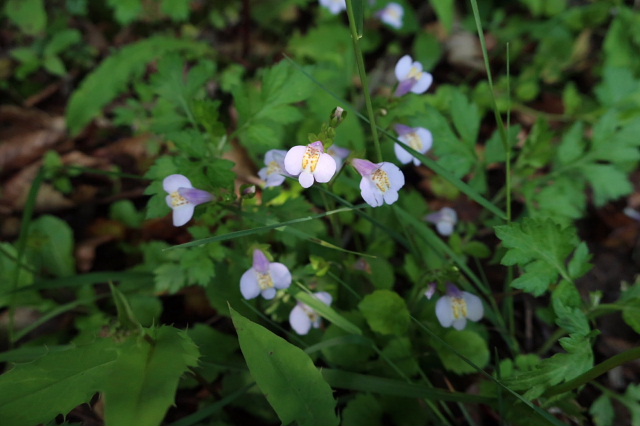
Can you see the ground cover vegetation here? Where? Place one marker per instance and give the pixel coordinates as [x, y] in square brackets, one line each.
[301, 212]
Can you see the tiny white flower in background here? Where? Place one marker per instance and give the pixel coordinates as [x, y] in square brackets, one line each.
[457, 307]
[444, 219]
[431, 290]
[411, 77]
[334, 6]
[310, 163]
[274, 173]
[417, 138]
[392, 15]
[183, 198]
[264, 277]
[380, 182]
[303, 317]
[339, 154]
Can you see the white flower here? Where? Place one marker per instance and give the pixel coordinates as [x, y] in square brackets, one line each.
[457, 306]
[380, 182]
[183, 198]
[411, 77]
[274, 173]
[392, 15]
[444, 219]
[334, 6]
[303, 317]
[431, 290]
[417, 138]
[264, 277]
[339, 154]
[310, 163]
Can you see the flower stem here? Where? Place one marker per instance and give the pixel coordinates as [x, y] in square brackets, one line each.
[355, 38]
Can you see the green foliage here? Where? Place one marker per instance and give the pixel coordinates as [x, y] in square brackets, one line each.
[386, 312]
[541, 248]
[113, 75]
[285, 374]
[29, 15]
[50, 246]
[468, 344]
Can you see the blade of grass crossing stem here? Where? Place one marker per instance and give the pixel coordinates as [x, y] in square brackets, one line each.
[437, 168]
[534, 407]
[27, 215]
[327, 311]
[252, 231]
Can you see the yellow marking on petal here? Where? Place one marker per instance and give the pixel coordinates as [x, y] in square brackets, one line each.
[459, 306]
[177, 199]
[310, 159]
[273, 167]
[415, 73]
[265, 281]
[415, 141]
[381, 179]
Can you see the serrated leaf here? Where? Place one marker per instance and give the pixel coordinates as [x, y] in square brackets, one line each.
[55, 383]
[573, 144]
[151, 373]
[608, 182]
[466, 117]
[386, 312]
[286, 375]
[113, 75]
[540, 247]
[568, 307]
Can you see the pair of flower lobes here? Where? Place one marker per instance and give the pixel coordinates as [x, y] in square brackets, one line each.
[392, 13]
[456, 307]
[266, 278]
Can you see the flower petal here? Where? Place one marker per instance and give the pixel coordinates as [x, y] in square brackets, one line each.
[195, 196]
[260, 262]
[324, 297]
[306, 179]
[269, 293]
[390, 196]
[370, 193]
[299, 320]
[444, 228]
[249, 286]
[293, 160]
[403, 155]
[444, 311]
[403, 67]
[475, 309]
[423, 84]
[280, 275]
[460, 323]
[174, 182]
[396, 177]
[183, 214]
[325, 169]
[426, 137]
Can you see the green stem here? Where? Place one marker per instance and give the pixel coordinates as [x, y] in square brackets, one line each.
[355, 38]
[598, 370]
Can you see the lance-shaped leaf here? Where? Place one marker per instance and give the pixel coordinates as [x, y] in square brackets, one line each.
[286, 375]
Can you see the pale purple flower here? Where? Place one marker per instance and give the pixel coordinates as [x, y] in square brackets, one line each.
[632, 213]
[444, 219]
[380, 182]
[411, 77]
[310, 163]
[264, 277]
[417, 138]
[392, 15]
[334, 6]
[303, 317]
[274, 173]
[431, 290]
[457, 306]
[183, 198]
[339, 154]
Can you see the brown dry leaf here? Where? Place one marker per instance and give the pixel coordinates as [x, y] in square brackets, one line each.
[26, 134]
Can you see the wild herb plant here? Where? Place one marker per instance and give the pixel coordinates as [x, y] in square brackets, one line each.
[343, 290]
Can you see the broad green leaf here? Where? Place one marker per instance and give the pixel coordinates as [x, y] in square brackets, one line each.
[602, 411]
[340, 348]
[113, 75]
[386, 312]
[467, 343]
[178, 10]
[363, 410]
[55, 384]
[286, 375]
[50, 245]
[466, 117]
[125, 11]
[540, 247]
[29, 15]
[445, 9]
[151, 372]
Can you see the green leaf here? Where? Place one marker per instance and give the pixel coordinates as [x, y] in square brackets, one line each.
[568, 306]
[602, 411]
[466, 117]
[467, 343]
[540, 247]
[178, 10]
[126, 318]
[363, 410]
[29, 15]
[445, 10]
[608, 182]
[386, 312]
[328, 312]
[151, 372]
[51, 243]
[113, 75]
[125, 11]
[286, 375]
[55, 384]
[573, 144]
